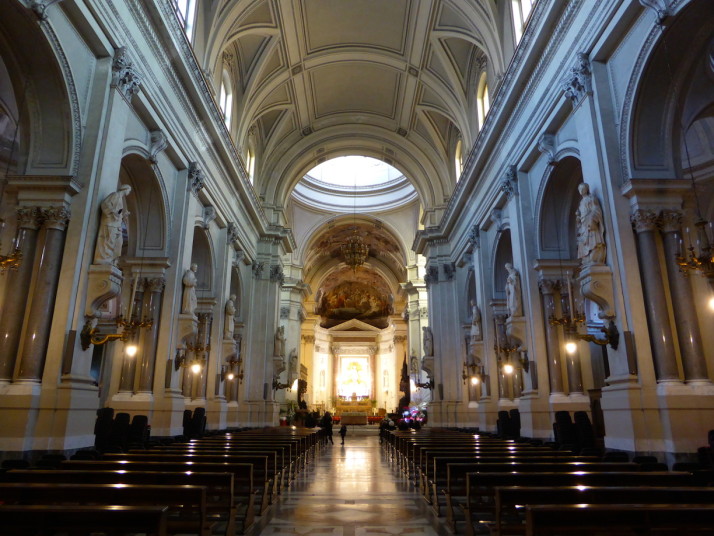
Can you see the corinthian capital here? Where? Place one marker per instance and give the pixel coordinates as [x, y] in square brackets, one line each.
[124, 76]
[670, 221]
[28, 218]
[55, 217]
[578, 83]
[644, 220]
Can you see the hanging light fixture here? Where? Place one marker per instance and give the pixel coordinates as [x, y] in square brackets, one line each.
[354, 251]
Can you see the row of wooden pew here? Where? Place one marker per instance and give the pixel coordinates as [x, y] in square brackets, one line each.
[488, 484]
[213, 485]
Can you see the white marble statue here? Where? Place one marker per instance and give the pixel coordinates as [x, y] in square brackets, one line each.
[476, 334]
[428, 341]
[513, 291]
[279, 343]
[229, 323]
[189, 302]
[590, 229]
[110, 237]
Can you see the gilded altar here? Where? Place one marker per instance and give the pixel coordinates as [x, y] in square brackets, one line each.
[352, 406]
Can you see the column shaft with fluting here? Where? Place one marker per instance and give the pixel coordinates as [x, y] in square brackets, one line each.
[39, 321]
[16, 292]
[688, 333]
[646, 223]
[547, 289]
[152, 311]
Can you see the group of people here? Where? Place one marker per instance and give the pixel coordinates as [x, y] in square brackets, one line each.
[326, 425]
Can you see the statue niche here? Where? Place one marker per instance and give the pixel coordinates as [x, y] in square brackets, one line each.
[355, 300]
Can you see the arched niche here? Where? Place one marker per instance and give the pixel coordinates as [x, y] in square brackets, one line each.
[47, 137]
[503, 254]
[236, 290]
[202, 255]
[675, 87]
[556, 215]
[470, 294]
[147, 222]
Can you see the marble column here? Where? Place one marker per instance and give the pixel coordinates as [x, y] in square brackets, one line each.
[39, 321]
[645, 223]
[688, 334]
[501, 341]
[572, 361]
[152, 310]
[547, 288]
[205, 323]
[128, 367]
[16, 292]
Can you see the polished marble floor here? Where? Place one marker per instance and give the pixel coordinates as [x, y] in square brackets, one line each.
[350, 491]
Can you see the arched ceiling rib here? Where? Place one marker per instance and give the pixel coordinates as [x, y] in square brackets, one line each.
[400, 72]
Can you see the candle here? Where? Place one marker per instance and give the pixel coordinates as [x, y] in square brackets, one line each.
[570, 297]
[133, 293]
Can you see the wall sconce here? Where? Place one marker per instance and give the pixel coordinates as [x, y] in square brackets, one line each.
[90, 335]
[428, 385]
[227, 371]
[196, 365]
[12, 260]
[612, 337]
[470, 372]
[277, 385]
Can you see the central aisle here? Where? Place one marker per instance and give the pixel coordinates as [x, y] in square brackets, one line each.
[350, 491]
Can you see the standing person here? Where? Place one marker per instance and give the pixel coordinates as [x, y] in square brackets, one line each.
[343, 432]
[327, 425]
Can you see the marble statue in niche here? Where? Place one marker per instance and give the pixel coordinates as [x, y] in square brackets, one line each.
[189, 302]
[279, 342]
[513, 291]
[428, 341]
[476, 333]
[229, 324]
[590, 229]
[110, 238]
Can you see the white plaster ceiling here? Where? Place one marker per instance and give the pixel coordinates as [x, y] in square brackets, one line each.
[314, 79]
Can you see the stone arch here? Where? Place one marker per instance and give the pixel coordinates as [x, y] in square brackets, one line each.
[662, 105]
[202, 254]
[148, 220]
[557, 203]
[41, 83]
[502, 253]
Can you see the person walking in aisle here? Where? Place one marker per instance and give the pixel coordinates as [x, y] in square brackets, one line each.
[326, 425]
[343, 432]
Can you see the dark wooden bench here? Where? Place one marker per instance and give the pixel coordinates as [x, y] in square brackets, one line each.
[481, 486]
[511, 500]
[244, 488]
[620, 519]
[187, 504]
[221, 505]
[24, 520]
[455, 489]
[264, 470]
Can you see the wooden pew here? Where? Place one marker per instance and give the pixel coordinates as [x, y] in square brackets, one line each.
[263, 467]
[456, 476]
[243, 485]
[187, 504]
[510, 501]
[220, 502]
[481, 486]
[22, 520]
[619, 519]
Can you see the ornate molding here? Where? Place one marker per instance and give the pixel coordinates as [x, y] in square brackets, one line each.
[124, 76]
[546, 145]
[159, 142]
[547, 286]
[276, 274]
[423, 312]
[29, 218]
[233, 233]
[196, 178]
[40, 7]
[156, 284]
[449, 271]
[670, 221]
[509, 182]
[258, 268]
[660, 7]
[432, 275]
[644, 220]
[475, 236]
[309, 339]
[55, 217]
[400, 338]
[284, 313]
[209, 214]
[578, 84]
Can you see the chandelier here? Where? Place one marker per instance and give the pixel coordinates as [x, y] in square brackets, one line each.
[701, 259]
[12, 260]
[354, 251]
